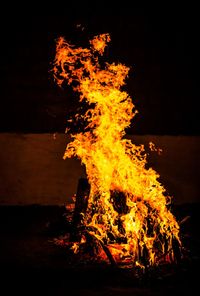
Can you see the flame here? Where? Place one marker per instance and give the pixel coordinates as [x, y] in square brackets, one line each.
[153, 147]
[127, 205]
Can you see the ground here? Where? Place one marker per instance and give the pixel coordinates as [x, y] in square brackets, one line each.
[32, 264]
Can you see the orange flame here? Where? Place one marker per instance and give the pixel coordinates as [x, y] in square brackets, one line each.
[127, 205]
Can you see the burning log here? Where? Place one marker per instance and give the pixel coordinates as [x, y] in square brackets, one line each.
[94, 242]
[81, 204]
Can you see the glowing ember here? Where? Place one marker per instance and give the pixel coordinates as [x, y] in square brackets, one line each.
[127, 206]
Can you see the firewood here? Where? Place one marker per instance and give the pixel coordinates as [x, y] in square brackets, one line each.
[80, 207]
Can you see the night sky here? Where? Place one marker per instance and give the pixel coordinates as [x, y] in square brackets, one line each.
[160, 47]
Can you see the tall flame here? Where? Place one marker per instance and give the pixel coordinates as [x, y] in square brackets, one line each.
[127, 205]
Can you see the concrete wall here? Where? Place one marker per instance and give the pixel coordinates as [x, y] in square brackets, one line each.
[33, 172]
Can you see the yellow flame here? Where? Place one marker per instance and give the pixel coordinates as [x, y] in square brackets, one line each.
[127, 205]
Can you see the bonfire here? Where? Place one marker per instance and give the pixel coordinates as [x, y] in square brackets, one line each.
[126, 212]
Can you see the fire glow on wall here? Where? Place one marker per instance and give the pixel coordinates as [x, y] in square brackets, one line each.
[127, 209]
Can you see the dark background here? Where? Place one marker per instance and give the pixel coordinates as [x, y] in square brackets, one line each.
[160, 46]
